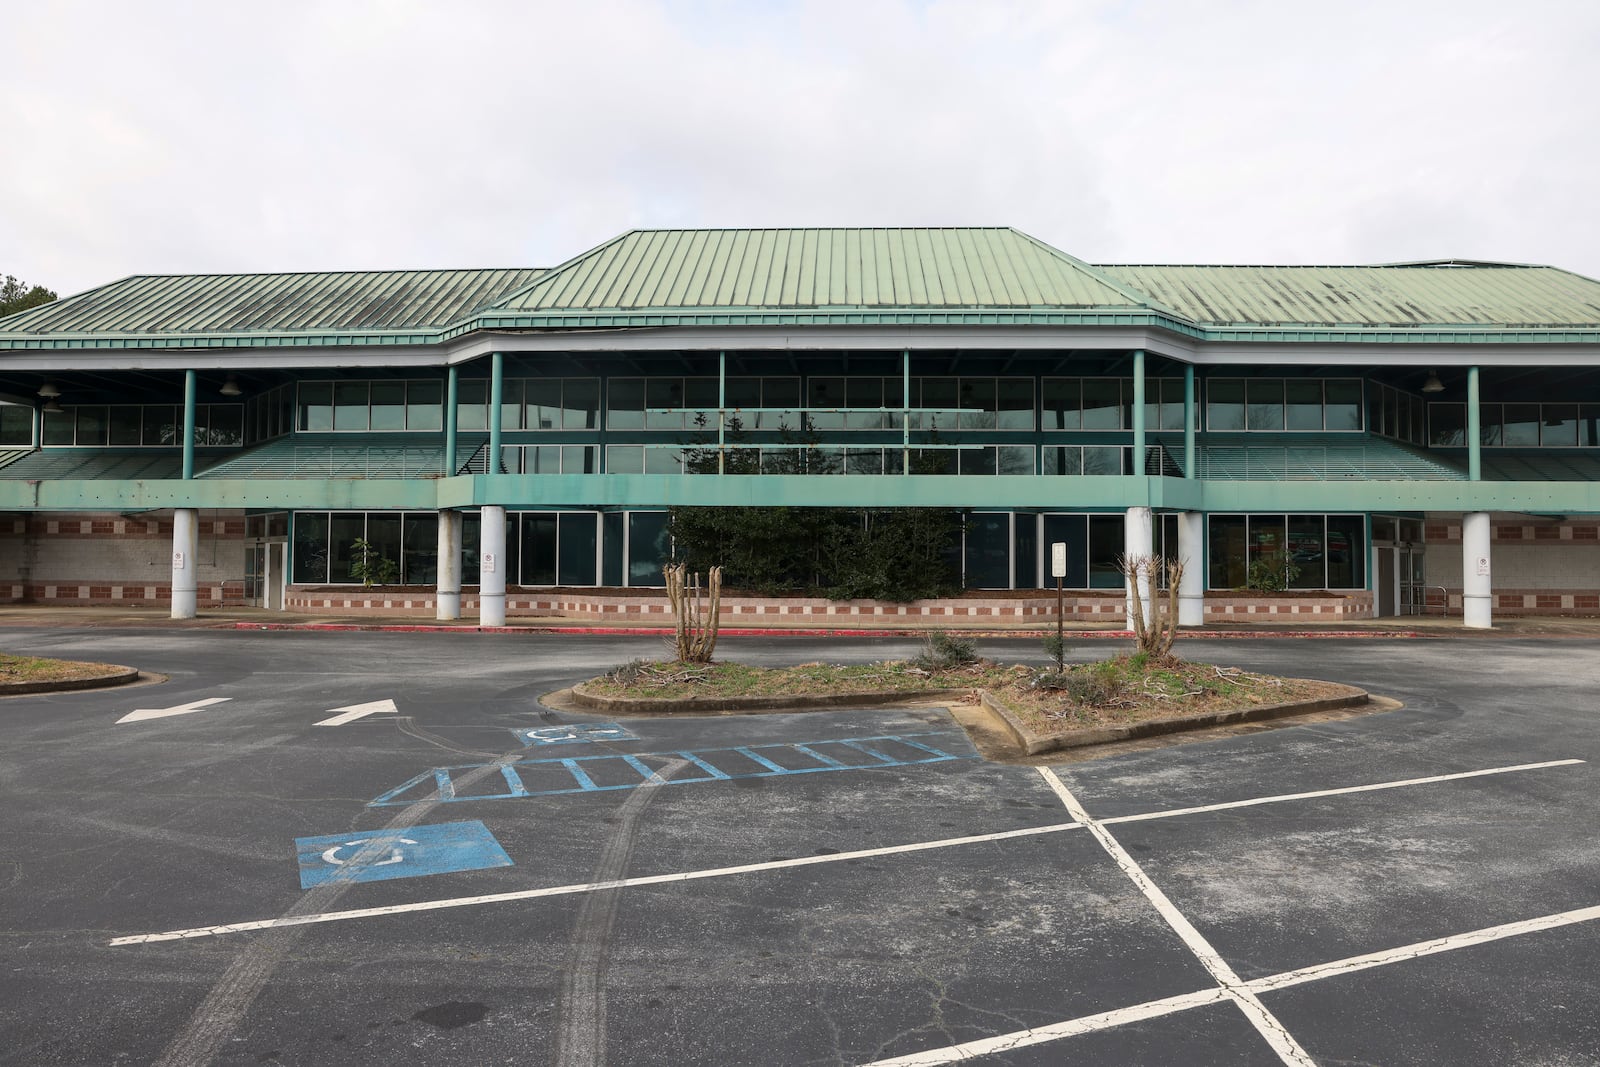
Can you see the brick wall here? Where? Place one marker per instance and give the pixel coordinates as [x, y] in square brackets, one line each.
[1537, 566]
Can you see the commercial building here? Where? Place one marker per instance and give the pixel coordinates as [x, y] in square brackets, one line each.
[1410, 437]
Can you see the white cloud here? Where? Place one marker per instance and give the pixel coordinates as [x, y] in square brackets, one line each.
[360, 133]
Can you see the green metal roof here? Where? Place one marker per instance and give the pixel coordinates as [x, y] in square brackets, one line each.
[1448, 293]
[335, 455]
[1325, 457]
[277, 303]
[992, 267]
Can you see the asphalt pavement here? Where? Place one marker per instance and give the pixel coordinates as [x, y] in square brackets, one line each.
[448, 871]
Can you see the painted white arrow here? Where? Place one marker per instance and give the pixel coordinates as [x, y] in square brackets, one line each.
[353, 712]
[181, 709]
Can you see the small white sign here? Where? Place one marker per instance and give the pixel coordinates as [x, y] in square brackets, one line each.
[177, 561]
[1483, 566]
[488, 563]
[1058, 559]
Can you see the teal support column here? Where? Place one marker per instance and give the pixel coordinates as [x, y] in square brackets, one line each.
[497, 382]
[1138, 414]
[1474, 429]
[722, 412]
[1191, 420]
[451, 383]
[188, 424]
[905, 411]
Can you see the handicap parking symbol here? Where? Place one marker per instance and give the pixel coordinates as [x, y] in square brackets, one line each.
[409, 853]
[576, 734]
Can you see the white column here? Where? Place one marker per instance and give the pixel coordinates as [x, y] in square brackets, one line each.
[185, 543]
[1477, 603]
[447, 587]
[1137, 534]
[1191, 549]
[492, 566]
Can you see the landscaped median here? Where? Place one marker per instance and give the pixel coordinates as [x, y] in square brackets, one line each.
[1043, 709]
[37, 674]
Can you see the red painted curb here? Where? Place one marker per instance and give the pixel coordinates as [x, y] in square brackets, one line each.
[650, 631]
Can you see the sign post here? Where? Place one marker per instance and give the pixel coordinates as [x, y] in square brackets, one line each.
[1058, 570]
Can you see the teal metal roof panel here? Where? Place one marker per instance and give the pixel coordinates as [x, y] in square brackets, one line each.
[348, 455]
[1449, 293]
[992, 267]
[277, 303]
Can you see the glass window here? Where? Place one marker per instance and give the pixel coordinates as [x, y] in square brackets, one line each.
[1072, 531]
[663, 459]
[16, 425]
[988, 551]
[1303, 405]
[1105, 547]
[863, 461]
[624, 459]
[91, 425]
[1015, 459]
[311, 547]
[58, 427]
[1025, 551]
[579, 459]
[125, 424]
[1103, 459]
[700, 402]
[649, 547]
[384, 535]
[344, 530]
[511, 404]
[1264, 410]
[1063, 403]
[1171, 404]
[1589, 425]
[1227, 533]
[1489, 428]
[224, 425]
[1102, 404]
[579, 538]
[933, 461]
[663, 402]
[316, 407]
[1306, 551]
[1062, 459]
[943, 395]
[1013, 404]
[611, 527]
[625, 404]
[350, 406]
[1447, 425]
[1224, 404]
[977, 403]
[1342, 406]
[419, 562]
[977, 460]
[1346, 552]
[472, 404]
[580, 404]
[543, 396]
[1521, 426]
[538, 534]
[163, 425]
[388, 405]
[424, 405]
[864, 393]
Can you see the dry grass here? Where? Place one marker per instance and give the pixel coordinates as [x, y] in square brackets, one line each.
[40, 669]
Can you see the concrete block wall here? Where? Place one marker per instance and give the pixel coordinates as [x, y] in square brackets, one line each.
[86, 558]
[1537, 566]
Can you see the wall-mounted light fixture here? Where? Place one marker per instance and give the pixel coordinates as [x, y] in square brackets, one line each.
[51, 407]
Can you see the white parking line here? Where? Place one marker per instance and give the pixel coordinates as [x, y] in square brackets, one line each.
[1152, 1009]
[1280, 798]
[719, 872]
[585, 887]
[1266, 1024]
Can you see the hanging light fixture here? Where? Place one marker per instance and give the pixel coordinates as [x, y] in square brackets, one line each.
[51, 407]
[1433, 384]
[49, 390]
[230, 387]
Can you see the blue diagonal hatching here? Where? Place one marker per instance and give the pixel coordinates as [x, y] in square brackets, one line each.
[598, 774]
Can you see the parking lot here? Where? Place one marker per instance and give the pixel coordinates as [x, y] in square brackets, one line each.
[377, 848]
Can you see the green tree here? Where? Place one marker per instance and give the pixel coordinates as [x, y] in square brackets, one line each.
[17, 296]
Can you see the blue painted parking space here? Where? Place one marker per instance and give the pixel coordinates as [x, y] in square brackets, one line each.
[409, 853]
[578, 734]
[593, 774]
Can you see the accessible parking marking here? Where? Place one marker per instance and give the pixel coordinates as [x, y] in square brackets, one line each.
[599, 774]
[409, 853]
[578, 734]
[843, 857]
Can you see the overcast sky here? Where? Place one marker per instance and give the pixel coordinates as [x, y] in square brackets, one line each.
[156, 137]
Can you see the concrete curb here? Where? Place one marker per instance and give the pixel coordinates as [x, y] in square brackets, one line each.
[1035, 743]
[119, 676]
[663, 705]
